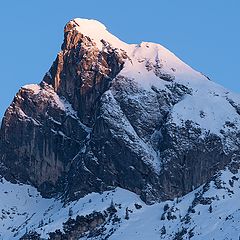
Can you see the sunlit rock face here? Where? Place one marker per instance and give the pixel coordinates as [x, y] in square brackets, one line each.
[111, 114]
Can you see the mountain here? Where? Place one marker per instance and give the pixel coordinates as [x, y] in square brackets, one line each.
[120, 141]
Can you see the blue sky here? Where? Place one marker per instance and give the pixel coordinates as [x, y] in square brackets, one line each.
[205, 34]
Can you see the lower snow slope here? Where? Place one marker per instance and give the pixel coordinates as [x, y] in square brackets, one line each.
[210, 212]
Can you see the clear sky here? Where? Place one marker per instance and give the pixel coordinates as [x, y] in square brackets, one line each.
[204, 33]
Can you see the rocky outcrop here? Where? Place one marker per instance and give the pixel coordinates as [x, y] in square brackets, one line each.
[82, 73]
[93, 225]
[106, 116]
[90, 226]
[39, 137]
[45, 126]
[79, 227]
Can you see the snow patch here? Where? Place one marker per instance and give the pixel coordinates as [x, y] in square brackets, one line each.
[34, 87]
[97, 32]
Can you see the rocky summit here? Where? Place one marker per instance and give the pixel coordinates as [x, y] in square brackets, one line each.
[114, 130]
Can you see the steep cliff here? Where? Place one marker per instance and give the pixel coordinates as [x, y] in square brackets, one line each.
[108, 114]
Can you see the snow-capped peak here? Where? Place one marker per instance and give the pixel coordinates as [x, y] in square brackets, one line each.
[144, 55]
[97, 32]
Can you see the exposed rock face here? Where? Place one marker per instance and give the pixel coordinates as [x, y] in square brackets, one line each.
[40, 135]
[39, 138]
[82, 73]
[118, 115]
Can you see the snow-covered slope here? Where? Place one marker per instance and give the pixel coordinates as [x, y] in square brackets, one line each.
[151, 64]
[210, 212]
